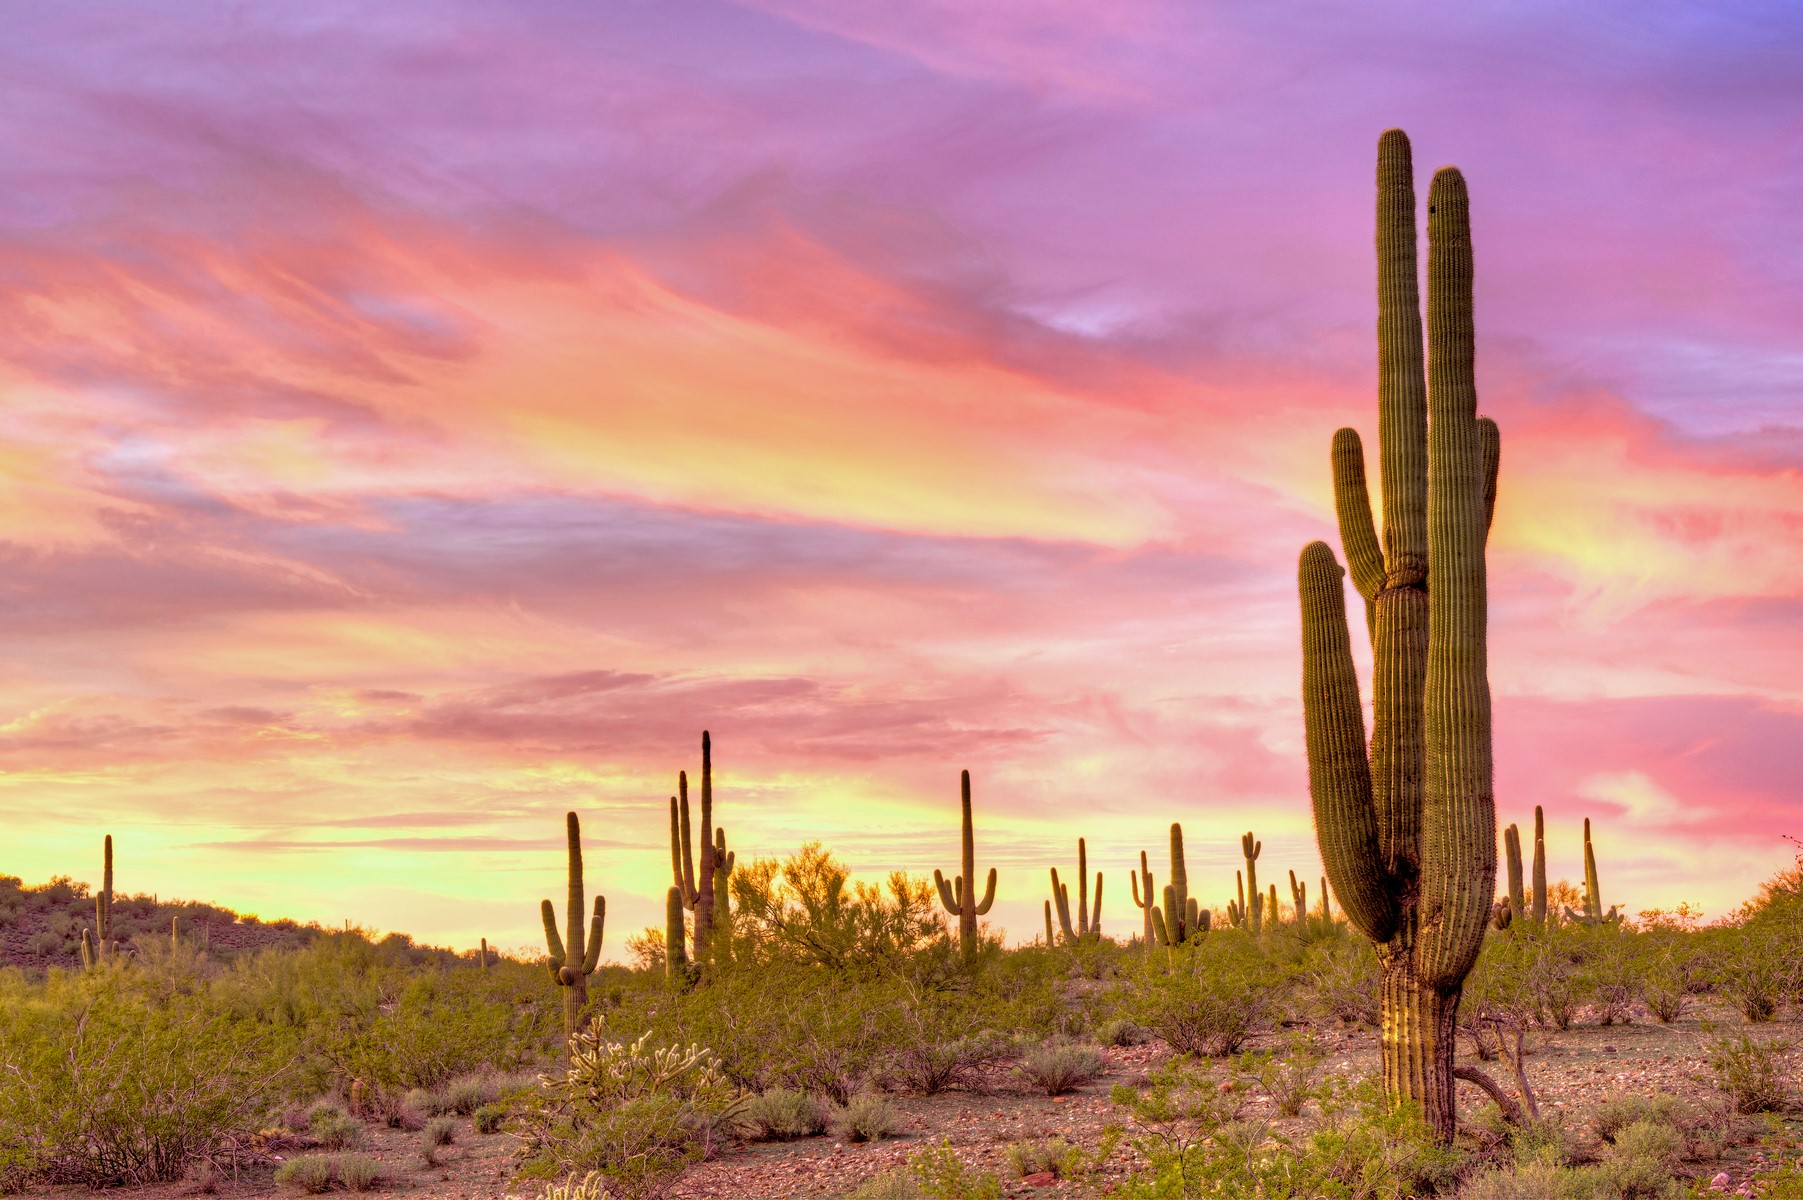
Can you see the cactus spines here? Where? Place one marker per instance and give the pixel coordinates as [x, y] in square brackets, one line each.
[1086, 926]
[1299, 894]
[1141, 883]
[1251, 847]
[574, 956]
[1512, 856]
[960, 894]
[676, 958]
[1408, 831]
[1539, 866]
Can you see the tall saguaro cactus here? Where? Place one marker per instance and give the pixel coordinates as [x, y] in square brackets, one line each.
[1299, 894]
[1408, 831]
[696, 879]
[960, 894]
[1061, 898]
[1141, 883]
[574, 956]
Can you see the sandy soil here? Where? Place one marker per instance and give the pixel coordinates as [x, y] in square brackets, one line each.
[1570, 1071]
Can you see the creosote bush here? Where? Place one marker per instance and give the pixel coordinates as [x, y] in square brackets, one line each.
[868, 1117]
[1059, 1066]
[780, 1115]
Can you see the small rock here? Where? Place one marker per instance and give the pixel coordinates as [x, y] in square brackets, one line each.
[1721, 1183]
[1039, 1179]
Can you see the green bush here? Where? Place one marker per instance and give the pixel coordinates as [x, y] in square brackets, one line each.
[439, 1131]
[1119, 1031]
[1210, 997]
[780, 1115]
[868, 1117]
[311, 1173]
[1755, 1075]
[941, 1174]
[489, 1117]
[1058, 1066]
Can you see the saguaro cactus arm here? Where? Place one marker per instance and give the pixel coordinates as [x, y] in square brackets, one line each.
[1539, 865]
[1512, 855]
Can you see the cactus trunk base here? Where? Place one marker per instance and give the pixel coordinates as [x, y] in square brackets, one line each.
[1418, 1042]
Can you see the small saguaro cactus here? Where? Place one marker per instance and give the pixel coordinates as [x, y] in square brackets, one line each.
[1271, 911]
[1407, 822]
[1086, 926]
[1255, 914]
[1326, 909]
[676, 956]
[1512, 856]
[696, 879]
[1049, 940]
[482, 955]
[1539, 911]
[1593, 900]
[1143, 899]
[1181, 919]
[1299, 894]
[574, 957]
[959, 895]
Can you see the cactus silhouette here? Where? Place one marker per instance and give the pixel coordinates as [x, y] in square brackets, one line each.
[1299, 894]
[1141, 883]
[701, 893]
[960, 894]
[1408, 830]
[1255, 914]
[1181, 919]
[98, 945]
[1593, 899]
[573, 957]
[1086, 926]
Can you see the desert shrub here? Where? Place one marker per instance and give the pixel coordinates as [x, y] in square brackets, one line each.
[635, 1115]
[439, 1131]
[357, 1172]
[466, 1094]
[590, 1187]
[1618, 1112]
[891, 1185]
[1641, 1160]
[109, 1086]
[806, 908]
[1119, 1031]
[1058, 1066]
[1754, 1074]
[781, 1114]
[311, 1173]
[488, 1118]
[1610, 970]
[1288, 1076]
[940, 1174]
[1751, 969]
[869, 1117]
[1211, 997]
[1340, 979]
[333, 1128]
[1050, 1156]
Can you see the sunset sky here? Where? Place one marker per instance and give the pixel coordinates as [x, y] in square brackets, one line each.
[419, 419]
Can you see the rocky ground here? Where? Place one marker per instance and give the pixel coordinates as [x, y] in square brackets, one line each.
[1571, 1071]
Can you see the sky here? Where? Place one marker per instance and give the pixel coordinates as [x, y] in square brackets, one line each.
[421, 419]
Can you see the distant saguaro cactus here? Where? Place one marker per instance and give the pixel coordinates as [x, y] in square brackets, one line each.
[1181, 919]
[573, 957]
[700, 888]
[1086, 926]
[1512, 856]
[1326, 908]
[1299, 894]
[1408, 832]
[1593, 899]
[676, 956]
[1254, 914]
[482, 955]
[959, 895]
[1143, 899]
[1539, 911]
[98, 946]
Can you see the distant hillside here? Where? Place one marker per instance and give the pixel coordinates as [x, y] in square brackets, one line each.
[41, 926]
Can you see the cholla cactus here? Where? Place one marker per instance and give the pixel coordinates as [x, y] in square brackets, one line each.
[1086, 926]
[1407, 827]
[959, 896]
[573, 958]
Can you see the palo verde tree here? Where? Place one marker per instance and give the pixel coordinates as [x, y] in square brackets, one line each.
[1408, 830]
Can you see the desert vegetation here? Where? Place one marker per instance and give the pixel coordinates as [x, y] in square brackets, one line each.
[1407, 1034]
